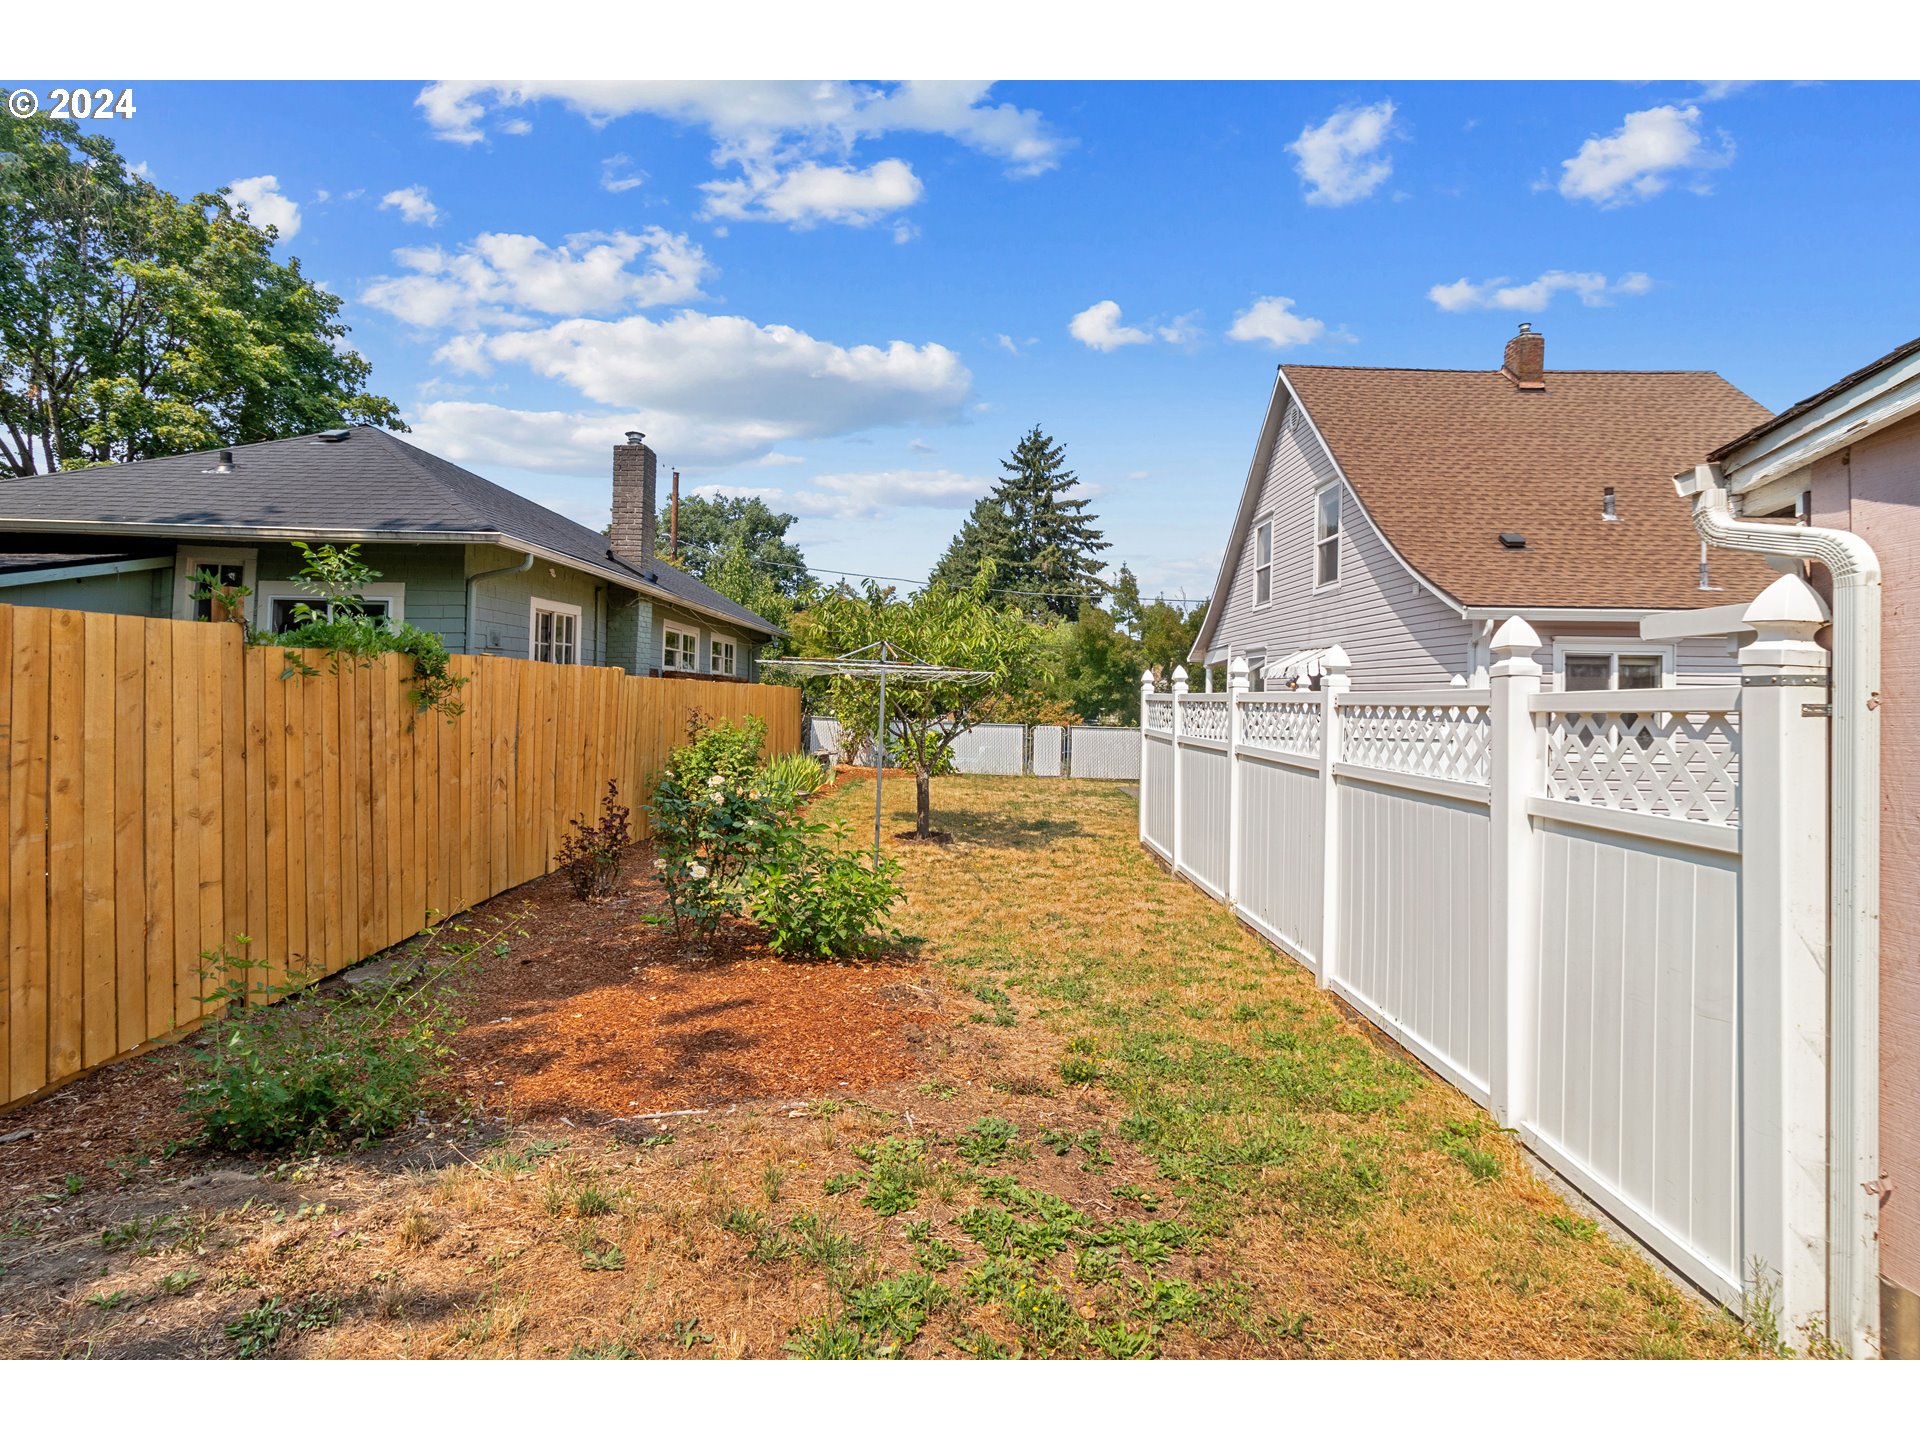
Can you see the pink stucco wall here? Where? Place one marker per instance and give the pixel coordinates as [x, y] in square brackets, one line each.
[1874, 490]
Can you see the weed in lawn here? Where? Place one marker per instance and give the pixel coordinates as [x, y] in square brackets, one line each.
[889, 1314]
[597, 1253]
[819, 1240]
[843, 1182]
[1145, 1199]
[773, 1180]
[1095, 1267]
[897, 1171]
[1458, 1140]
[73, 1185]
[605, 1350]
[822, 1338]
[259, 1330]
[939, 1089]
[1574, 1227]
[142, 1235]
[990, 1140]
[1079, 1070]
[590, 1201]
[107, 1300]
[177, 1282]
[935, 1255]
[982, 1346]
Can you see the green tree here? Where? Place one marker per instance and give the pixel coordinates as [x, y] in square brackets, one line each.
[936, 625]
[1035, 533]
[717, 531]
[135, 324]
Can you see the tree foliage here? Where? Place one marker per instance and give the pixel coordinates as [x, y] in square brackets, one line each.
[1034, 533]
[936, 625]
[136, 324]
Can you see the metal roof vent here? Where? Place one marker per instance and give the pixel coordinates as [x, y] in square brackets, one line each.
[224, 466]
[1513, 540]
[331, 437]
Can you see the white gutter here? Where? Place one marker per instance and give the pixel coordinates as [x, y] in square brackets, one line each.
[526, 564]
[83, 572]
[1853, 1066]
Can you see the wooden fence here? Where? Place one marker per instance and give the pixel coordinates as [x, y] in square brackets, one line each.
[166, 788]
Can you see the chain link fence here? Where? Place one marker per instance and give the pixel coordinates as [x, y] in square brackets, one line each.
[1081, 752]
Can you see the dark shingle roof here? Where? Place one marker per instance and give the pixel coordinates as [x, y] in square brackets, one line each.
[1445, 460]
[370, 485]
[1800, 407]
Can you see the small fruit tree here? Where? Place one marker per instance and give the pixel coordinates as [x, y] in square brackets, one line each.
[940, 656]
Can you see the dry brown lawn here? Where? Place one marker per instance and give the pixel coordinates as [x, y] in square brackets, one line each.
[1124, 1126]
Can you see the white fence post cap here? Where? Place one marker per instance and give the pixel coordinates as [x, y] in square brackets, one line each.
[1146, 681]
[1237, 673]
[1789, 608]
[1458, 682]
[1179, 679]
[1516, 637]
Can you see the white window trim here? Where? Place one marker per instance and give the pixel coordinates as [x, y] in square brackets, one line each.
[690, 646]
[1256, 660]
[391, 591]
[1613, 648]
[1253, 555]
[713, 655]
[1338, 537]
[191, 559]
[555, 607]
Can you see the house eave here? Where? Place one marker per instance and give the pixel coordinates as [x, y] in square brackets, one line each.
[1871, 404]
[207, 533]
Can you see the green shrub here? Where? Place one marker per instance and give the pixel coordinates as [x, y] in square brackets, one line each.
[729, 749]
[592, 853]
[316, 1070]
[822, 903]
[709, 837]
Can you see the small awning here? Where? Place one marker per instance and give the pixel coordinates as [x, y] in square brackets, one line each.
[1301, 665]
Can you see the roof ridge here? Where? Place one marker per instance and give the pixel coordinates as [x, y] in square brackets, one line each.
[1444, 370]
[417, 458]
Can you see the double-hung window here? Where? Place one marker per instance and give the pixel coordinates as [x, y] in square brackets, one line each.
[1326, 537]
[1263, 563]
[1595, 669]
[277, 606]
[554, 632]
[679, 649]
[724, 657]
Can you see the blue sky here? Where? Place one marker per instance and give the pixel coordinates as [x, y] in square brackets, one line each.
[854, 298]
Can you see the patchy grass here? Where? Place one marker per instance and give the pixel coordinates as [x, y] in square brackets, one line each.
[1132, 1130]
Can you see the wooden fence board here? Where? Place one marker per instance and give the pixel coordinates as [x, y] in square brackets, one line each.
[165, 789]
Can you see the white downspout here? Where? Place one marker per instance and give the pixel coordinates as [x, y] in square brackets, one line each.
[1853, 1067]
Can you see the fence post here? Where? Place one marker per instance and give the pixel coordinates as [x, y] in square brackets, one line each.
[1146, 778]
[1513, 864]
[1783, 989]
[1179, 826]
[1334, 683]
[1236, 691]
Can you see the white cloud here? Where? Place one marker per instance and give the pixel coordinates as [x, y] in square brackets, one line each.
[496, 279]
[1271, 320]
[1340, 160]
[1181, 330]
[617, 175]
[414, 206]
[791, 141]
[711, 389]
[868, 495]
[260, 197]
[1098, 327]
[809, 193]
[760, 118]
[1537, 294]
[1007, 343]
[1640, 159]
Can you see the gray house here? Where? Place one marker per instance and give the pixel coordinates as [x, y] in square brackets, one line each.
[1403, 514]
[489, 571]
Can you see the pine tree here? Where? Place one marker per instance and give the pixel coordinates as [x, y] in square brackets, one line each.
[1044, 547]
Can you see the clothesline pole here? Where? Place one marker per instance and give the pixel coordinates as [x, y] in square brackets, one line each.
[879, 767]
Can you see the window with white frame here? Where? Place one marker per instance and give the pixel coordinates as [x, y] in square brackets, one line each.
[227, 565]
[1326, 537]
[724, 657]
[1257, 671]
[275, 608]
[679, 649]
[1262, 563]
[1589, 666]
[553, 632]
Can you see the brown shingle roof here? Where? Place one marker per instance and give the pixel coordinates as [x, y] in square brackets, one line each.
[1445, 460]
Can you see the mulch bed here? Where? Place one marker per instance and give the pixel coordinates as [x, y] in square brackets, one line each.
[596, 1014]
[603, 1013]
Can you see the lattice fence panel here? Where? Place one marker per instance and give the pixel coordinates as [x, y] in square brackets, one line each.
[1294, 727]
[1436, 742]
[1204, 719]
[1681, 764]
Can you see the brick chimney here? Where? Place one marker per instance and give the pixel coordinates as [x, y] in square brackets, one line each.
[1525, 362]
[631, 538]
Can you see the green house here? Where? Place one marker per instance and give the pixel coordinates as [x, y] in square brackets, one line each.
[488, 570]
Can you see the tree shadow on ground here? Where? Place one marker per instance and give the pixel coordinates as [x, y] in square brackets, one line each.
[1000, 831]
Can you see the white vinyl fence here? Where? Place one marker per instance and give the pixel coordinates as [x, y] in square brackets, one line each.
[1084, 752]
[1598, 914]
